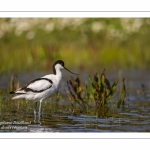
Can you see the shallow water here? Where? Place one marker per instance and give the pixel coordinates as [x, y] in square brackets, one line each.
[17, 115]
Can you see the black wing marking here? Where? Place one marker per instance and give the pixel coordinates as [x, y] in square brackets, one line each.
[36, 86]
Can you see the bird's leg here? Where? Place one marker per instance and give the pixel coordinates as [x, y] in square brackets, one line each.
[35, 106]
[39, 114]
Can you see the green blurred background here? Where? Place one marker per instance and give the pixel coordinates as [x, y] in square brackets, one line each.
[33, 44]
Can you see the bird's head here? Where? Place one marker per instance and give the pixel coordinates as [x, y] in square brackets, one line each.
[59, 64]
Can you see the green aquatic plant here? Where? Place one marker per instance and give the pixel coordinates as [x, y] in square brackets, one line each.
[122, 95]
[99, 89]
[96, 92]
[76, 90]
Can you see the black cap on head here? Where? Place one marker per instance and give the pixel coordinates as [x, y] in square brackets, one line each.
[59, 62]
[62, 64]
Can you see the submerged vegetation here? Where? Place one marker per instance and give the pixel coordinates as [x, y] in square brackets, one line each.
[35, 43]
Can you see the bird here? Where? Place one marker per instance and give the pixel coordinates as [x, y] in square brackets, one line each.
[43, 87]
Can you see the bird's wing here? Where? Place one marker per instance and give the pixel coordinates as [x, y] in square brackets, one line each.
[36, 86]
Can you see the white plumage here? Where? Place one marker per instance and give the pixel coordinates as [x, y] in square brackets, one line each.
[39, 89]
[42, 88]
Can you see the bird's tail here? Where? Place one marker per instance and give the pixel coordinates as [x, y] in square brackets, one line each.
[12, 92]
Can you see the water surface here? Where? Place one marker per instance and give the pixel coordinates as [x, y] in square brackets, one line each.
[17, 115]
